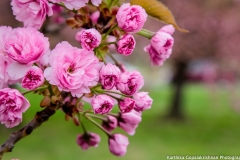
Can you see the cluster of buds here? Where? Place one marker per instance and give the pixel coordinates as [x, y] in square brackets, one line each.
[80, 74]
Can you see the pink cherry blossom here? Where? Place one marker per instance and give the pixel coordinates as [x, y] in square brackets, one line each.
[126, 44]
[130, 82]
[168, 29]
[33, 78]
[161, 45]
[12, 105]
[118, 144]
[88, 140]
[4, 59]
[126, 105]
[110, 124]
[143, 101]
[72, 70]
[131, 18]
[31, 12]
[156, 58]
[72, 4]
[76, 4]
[109, 75]
[162, 42]
[102, 104]
[5, 31]
[26, 45]
[89, 38]
[129, 121]
[94, 16]
[96, 2]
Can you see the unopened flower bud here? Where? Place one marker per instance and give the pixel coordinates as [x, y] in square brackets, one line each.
[45, 102]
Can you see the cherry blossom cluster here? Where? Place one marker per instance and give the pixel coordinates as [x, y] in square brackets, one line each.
[80, 74]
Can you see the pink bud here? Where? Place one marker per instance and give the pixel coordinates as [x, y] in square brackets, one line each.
[130, 82]
[143, 101]
[33, 78]
[102, 104]
[110, 124]
[109, 75]
[168, 29]
[96, 2]
[89, 38]
[156, 58]
[162, 41]
[118, 144]
[161, 45]
[95, 16]
[88, 140]
[131, 18]
[126, 105]
[129, 121]
[126, 44]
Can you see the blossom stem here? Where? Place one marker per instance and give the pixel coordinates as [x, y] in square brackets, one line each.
[96, 116]
[102, 58]
[116, 62]
[109, 31]
[118, 99]
[62, 5]
[124, 95]
[83, 127]
[97, 124]
[146, 33]
[38, 89]
[50, 90]
[107, 43]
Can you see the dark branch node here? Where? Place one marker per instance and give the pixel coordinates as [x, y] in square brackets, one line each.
[29, 130]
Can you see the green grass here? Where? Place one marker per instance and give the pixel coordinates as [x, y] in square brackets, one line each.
[211, 128]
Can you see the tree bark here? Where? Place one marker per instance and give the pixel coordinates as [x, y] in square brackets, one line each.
[178, 82]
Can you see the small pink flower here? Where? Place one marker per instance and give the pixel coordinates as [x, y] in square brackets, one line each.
[130, 82]
[89, 38]
[102, 104]
[129, 121]
[26, 45]
[167, 29]
[72, 70]
[126, 105]
[12, 105]
[96, 2]
[31, 12]
[5, 31]
[109, 75]
[143, 101]
[156, 58]
[126, 44]
[72, 4]
[110, 124]
[161, 45]
[88, 140]
[131, 18]
[162, 42]
[118, 144]
[33, 79]
[94, 16]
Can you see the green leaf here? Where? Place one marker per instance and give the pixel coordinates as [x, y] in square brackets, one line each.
[158, 10]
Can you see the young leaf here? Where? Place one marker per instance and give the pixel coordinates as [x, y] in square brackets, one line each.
[158, 10]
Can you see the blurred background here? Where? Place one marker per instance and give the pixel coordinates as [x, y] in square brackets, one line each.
[196, 109]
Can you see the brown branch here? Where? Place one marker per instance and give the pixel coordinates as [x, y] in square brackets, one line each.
[39, 118]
